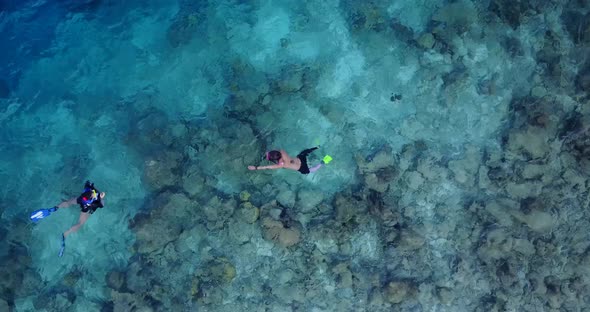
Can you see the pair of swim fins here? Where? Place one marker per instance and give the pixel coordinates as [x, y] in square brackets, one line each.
[43, 213]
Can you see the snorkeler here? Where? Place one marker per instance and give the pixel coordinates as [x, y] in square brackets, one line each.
[283, 160]
[90, 200]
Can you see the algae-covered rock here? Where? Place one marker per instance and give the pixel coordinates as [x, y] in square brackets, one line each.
[445, 295]
[498, 243]
[524, 247]
[378, 171]
[219, 271]
[248, 212]
[382, 160]
[193, 182]
[465, 169]
[538, 221]
[159, 171]
[459, 15]
[500, 210]
[186, 23]
[533, 142]
[4, 305]
[115, 280]
[291, 80]
[426, 41]
[309, 199]
[217, 211]
[241, 232]
[71, 278]
[244, 196]
[286, 198]
[414, 180]
[396, 292]
[343, 275]
[373, 182]
[146, 239]
[524, 190]
[348, 207]
[276, 231]
[123, 302]
[410, 240]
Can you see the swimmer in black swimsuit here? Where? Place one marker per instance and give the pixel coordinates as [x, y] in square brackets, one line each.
[90, 200]
[283, 160]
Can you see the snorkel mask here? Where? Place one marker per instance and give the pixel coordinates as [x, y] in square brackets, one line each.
[89, 200]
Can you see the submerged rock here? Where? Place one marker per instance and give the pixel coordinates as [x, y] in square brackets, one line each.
[169, 214]
[147, 242]
[248, 212]
[286, 198]
[291, 80]
[186, 23]
[193, 182]
[309, 199]
[410, 240]
[578, 25]
[115, 280]
[538, 221]
[219, 271]
[159, 171]
[397, 291]
[275, 231]
[426, 41]
[533, 142]
[129, 302]
[509, 11]
[4, 305]
[458, 16]
[583, 76]
[348, 207]
[244, 196]
[343, 275]
[217, 211]
[445, 295]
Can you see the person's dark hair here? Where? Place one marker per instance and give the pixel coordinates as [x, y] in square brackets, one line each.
[274, 156]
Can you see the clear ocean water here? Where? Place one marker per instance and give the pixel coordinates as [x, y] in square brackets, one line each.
[459, 132]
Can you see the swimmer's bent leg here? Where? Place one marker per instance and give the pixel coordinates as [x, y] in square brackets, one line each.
[315, 168]
[307, 151]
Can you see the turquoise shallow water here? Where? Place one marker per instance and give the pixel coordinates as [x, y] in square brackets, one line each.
[459, 132]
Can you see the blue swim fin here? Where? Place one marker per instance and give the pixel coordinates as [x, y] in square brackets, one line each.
[41, 213]
[63, 245]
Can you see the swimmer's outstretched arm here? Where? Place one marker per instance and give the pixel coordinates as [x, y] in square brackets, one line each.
[265, 167]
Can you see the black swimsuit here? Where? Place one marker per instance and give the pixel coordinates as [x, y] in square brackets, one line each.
[304, 169]
[90, 208]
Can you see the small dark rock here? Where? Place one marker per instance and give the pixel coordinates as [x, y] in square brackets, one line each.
[577, 25]
[583, 79]
[395, 97]
[509, 11]
[115, 280]
[512, 46]
[458, 73]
